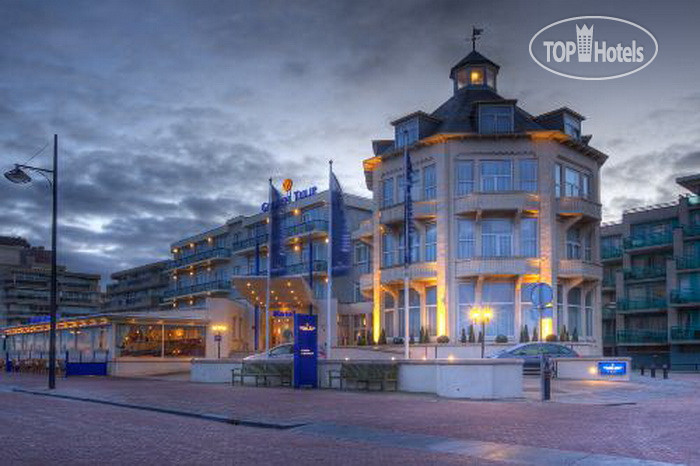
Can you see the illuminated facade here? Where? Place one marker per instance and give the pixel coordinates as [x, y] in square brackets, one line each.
[501, 199]
[651, 282]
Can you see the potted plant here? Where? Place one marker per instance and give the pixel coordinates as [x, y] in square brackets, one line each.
[472, 338]
[442, 339]
[501, 339]
[463, 336]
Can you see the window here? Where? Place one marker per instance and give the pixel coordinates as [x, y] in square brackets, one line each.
[587, 249]
[560, 306]
[572, 126]
[496, 238]
[387, 250]
[415, 186]
[528, 175]
[589, 314]
[429, 182]
[574, 321]
[407, 132]
[389, 323]
[476, 77]
[465, 177]
[414, 247]
[528, 237]
[388, 192]
[573, 244]
[362, 257]
[431, 309]
[496, 175]
[431, 242]
[500, 297]
[557, 180]
[577, 184]
[414, 323]
[530, 316]
[494, 119]
[466, 241]
[467, 296]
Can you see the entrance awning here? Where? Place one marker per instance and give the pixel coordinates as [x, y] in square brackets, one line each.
[290, 292]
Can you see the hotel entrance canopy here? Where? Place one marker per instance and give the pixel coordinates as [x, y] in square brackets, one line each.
[289, 292]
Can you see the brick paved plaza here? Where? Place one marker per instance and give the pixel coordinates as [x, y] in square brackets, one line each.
[144, 420]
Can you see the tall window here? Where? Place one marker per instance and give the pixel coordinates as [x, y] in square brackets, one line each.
[388, 192]
[496, 175]
[431, 242]
[587, 246]
[577, 184]
[466, 238]
[589, 314]
[500, 297]
[415, 187]
[528, 175]
[413, 313]
[361, 257]
[465, 177]
[529, 314]
[494, 119]
[431, 309]
[414, 247]
[387, 250]
[574, 321]
[496, 238]
[407, 132]
[573, 244]
[528, 237]
[389, 312]
[557, 180]
[467, 295]
[429, 182]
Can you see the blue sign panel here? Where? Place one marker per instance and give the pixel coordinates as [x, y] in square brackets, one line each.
[612, 368]
[305, 351]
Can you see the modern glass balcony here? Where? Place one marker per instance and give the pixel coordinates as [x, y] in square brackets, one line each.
[645, 241]
[691, 230]
[608, 313]
[249, 242]
[688, 262]
[685, 333]
[610, 252]
[642, 336]
[609, 339]
[642, 273]
[307, 227]
[608, 282]
[217, 253]
[640, 304]
[685, 296]
[303, 268]
[217, 285]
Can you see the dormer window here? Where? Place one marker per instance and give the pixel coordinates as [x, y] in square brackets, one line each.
[407, 132]
[495, 119]
[572, 126]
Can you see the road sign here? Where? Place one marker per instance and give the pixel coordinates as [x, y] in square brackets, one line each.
[541, 294]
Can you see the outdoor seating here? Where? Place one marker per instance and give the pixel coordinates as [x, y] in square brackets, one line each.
[263, 371]
[382, 374]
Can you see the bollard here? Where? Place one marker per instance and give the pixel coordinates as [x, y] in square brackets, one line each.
[641, 370]
[665, 369]
[653, 372]
[546, 369]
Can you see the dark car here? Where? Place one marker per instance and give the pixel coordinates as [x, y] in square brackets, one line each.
[530, 353]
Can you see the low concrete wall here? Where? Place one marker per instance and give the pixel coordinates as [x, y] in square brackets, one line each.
[586, 368]
[213, 370]
[134, 367]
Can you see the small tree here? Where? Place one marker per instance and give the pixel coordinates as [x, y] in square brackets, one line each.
[526, 334]
[472, 338]
[574, 336]
[535, 334]
[382, 337]
[522, 336]
[563, 334]
[424, 335]
[481, 336]
[463, 336]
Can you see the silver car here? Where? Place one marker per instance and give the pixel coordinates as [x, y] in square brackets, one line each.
[281, 352]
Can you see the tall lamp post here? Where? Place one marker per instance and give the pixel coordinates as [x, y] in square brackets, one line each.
[481, 315]
[19, 175]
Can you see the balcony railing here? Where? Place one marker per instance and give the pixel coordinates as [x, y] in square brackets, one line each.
[610, 252]
[691, 230]
[642, 273]
[608, 282]
[303, 268]
[642, 336]
[688, 262]
[217, 253]
[307, 227]
[652, 239]
[634, 304]
[250, 242]
[608, 313]
[685, 333]
[217, 285]
[609, 339]
[685, 296]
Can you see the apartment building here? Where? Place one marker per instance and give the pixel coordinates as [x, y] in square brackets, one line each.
[137, 289]
[502, 199]
[651, 282]
[25, 285]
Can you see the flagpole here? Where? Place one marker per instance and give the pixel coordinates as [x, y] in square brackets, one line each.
[329, 256]
[406, 246]
[269, 269]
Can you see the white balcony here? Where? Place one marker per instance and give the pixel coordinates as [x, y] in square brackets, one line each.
[496, 266]
[418, 271]
[574, 268]
[366, 281]
[421, 210]
[364, 231]
[569, 206]
[501, 201]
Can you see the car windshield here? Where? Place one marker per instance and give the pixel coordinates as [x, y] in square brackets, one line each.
[281, 350]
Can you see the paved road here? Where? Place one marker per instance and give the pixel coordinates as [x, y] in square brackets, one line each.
[344, 428]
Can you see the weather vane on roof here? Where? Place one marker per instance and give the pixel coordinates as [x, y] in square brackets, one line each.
[476, 32]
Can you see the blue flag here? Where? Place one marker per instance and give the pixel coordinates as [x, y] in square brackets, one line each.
[276, 249]
[407, 206]
[340, 234]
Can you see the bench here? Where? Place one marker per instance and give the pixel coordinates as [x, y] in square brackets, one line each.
[366, 373]
[263, 371]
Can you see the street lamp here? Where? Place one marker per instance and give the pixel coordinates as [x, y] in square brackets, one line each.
[18, 175]
[482, 315]
[218, 330]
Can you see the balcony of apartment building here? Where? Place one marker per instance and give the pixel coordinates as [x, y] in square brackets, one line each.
[250, 243]
[506, 265]
[307, 228]
[685, 297]
[136, 284]
[364, 231]
[685, 334]
[579, 206]
[395, 213]
[130, 304]
[610, 253]
[303, 268]
[366, 281]
[688, 263]
[638, 337]
[416, 271]
[515, 201]
[636, 306]
[609, 339]
[609, 312]
[608, 283]
[28, 296]
[691, 231]
[649, 241]
[580, 268]
[209, 256]
[213, 288]
[644, 273]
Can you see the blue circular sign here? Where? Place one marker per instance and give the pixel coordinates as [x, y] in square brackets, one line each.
[541, 294]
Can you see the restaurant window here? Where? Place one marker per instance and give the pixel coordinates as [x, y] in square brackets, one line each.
[499, 296]
[465, 177]
[529, 315]
[589, 314]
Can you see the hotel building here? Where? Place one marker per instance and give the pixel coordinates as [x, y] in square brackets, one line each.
[25, 285]
[651, 282]
[137, 289]
[501, 199]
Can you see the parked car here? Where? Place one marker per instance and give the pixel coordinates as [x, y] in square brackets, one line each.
[281, 352]
[530, 353]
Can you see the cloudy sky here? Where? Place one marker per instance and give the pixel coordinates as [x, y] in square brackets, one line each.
[172, 115]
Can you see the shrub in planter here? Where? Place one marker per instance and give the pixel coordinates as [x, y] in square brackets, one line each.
[382, 337]
[563, 334]
[361, 341]
[481, 337]
[501, 339]
[574, 336]
[535, 334]
[472, 338]
[526, 334]
[551, 337]
[443, 339]
[463, 336]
